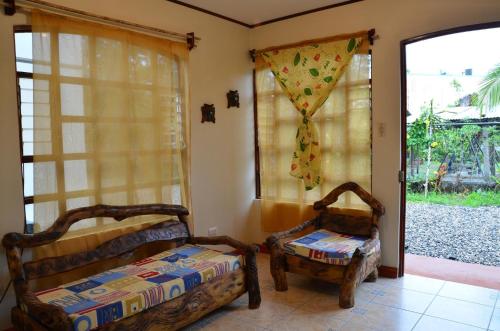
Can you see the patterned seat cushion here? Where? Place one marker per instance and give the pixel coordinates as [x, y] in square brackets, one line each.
[325, 246]
[127, 290]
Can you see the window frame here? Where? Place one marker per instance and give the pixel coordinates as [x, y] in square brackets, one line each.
[52, 157]
[24, 159]
[256, 126]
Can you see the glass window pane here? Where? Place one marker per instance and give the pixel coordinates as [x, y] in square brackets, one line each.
[41, 42]
[73, 55]
[28, 179]
[78, 203]
[24, 51]
[73, 99]
[73, 136]
[44, 175]
[30, 214]
[76, 175]
[45, 214]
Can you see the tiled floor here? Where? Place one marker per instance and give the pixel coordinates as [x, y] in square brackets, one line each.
[467, 273]
[409, 303]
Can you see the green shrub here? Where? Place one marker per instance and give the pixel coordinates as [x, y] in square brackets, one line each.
[473, 199]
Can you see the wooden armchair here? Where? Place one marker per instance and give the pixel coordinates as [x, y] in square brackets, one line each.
[364, 261]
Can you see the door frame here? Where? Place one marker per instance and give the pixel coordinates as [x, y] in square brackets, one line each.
[403, 44]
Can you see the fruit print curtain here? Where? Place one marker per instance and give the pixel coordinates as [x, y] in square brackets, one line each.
[307, 75]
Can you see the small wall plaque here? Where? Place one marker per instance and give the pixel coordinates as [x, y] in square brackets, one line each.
[207, 113]
[233, 99]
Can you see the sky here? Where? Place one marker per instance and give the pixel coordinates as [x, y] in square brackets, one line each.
[479, 50]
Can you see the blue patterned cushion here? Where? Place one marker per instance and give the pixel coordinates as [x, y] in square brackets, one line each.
[325, 246]
[127, 290]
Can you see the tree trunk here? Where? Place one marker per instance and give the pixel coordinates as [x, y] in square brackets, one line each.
[428, 166]
[412, 162]
[429, 148]
[486, 154]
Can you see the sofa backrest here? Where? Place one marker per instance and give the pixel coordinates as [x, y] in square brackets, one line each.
[14, 243]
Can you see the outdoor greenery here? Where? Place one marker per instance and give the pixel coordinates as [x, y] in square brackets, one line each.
[472, 199]
[438, 147]
[489, 92]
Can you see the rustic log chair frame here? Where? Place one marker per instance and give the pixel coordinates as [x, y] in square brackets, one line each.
[363, 266]
[32, 314]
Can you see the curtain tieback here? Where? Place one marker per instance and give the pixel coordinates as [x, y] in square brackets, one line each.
[306, 159]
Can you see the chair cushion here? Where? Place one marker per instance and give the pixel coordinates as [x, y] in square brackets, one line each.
[125, 291]
[325, 246]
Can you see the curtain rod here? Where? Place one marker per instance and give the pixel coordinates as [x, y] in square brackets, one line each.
[12, 5]
[369, 34]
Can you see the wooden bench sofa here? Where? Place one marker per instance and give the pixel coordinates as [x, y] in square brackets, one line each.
[31, 313]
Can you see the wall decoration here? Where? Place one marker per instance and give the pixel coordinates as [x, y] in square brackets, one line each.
[207, 113]
[233, 99]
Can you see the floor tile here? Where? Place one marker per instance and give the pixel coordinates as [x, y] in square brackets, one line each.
[404, 299]
[482, 295]
[460, 311]
[329, 303]
[222, 320]
[382, 318]
[294, 295]
[495, 320]
[384, 281]
[301, 320]
[269, 312]
[418, 283]
[428, 323]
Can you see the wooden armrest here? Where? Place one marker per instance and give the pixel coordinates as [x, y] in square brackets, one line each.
[251, 274]
[276, 237]
[224, 240]
[51, 316]
[370, 243]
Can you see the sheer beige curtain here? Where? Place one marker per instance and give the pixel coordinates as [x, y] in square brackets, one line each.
[111, 120]
[344, 127]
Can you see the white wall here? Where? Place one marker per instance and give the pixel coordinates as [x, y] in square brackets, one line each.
[222, 154]
[394, 20]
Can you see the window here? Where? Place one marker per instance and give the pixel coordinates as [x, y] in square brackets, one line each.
[344, 127]
[98, 128]
[24, 75]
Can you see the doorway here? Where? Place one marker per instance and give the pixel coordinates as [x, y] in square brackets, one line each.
[450, 152]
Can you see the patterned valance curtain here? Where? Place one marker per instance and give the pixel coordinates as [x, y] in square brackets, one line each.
[111, 121]
[307, 74]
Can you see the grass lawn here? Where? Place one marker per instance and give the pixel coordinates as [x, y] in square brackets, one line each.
[473, 199]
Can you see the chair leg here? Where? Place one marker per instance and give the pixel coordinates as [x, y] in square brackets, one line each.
[347, 291]
[278, 273]
[373, 276]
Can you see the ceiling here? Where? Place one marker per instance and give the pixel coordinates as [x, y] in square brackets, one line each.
[258, 12]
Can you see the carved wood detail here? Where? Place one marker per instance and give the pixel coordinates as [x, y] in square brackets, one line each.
[113, 248]
[377, 207]
[365, 261]
[252, 278]
[32, 314]
[63, 222]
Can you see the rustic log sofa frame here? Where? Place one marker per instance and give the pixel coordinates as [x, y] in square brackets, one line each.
[363, 266]
[32, 314]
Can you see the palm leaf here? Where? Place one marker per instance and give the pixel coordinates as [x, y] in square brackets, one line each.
[489, 91]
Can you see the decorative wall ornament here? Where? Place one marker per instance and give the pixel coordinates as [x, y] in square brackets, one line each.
[207, 113]
[233, 99]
